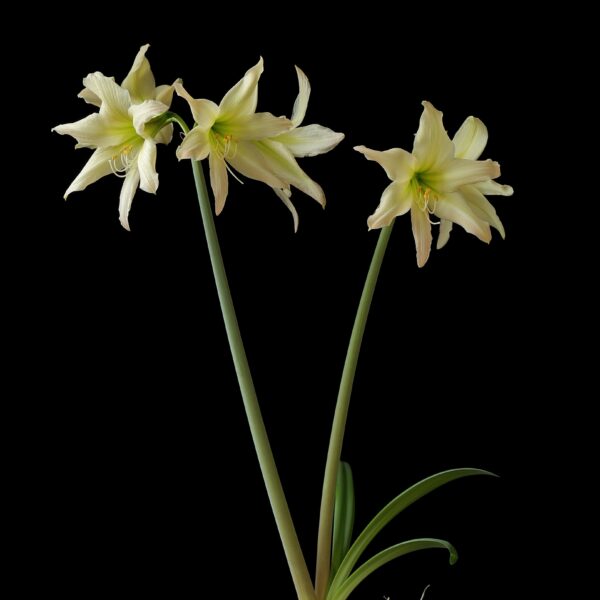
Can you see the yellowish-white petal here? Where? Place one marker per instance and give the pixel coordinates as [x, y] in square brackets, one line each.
[482, 208]
[144, 112]
[89, 97]
[252, 162]
[285, 195]
[454, 207]
[164, 93]
[492, 188]
[218, 181]
[421, 227]
[256, 126]
[115, 100]
[95, 131]
[470, 140]
[282, 163]
[301, 103]
[195, 145]
[146, 163]
[204, 112]
[432, 146]
[242, 98]
[444, 233]
[140, 80]
[396, 200]
[130, 185]
[165, 135]
[97, 166]
[398, 164]
[310, 140]
[459, 172]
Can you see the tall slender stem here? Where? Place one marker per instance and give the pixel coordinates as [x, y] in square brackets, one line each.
[291, 545]
[341, 413]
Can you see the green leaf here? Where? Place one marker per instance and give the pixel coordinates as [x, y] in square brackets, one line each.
[384, 557]
[391, 510]
[343, 516]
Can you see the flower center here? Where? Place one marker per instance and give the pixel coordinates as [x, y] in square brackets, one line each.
[223, 145]
[425, 198]
[120, 163]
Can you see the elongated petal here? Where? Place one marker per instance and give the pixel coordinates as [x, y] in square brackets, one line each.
[284, 196]
[144, 112]
[491, 188]
[140, 80]
[164, 93]
[115, 100]
[218, 181]
[96, 167]
[460, 171]
[165, 135]
[204, 112]
[470, 140]
[454, 207]
[89, 97]
[242, 98]
[310, 140]
[256, 126]
[421, 227]
[130, 184]
[482, 208]
[301, 103]
[432, 146]
[283, 164]
[147, 166]
[195, 145]
[93, 131]
[398, 164]
[444, 234]
[251, 162]
[396, 200]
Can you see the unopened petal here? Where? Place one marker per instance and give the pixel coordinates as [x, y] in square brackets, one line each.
[310, 140]
[147, 166]
[301, 103]
[454, 207]
[421, 227]
[130, 184]
[398, 164]
[396, 200]
[218, 181]
[140, 80]
[470, 140]
[242, 98]
[432, 146]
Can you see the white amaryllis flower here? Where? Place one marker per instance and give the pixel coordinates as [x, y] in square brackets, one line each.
[258, 145]
[124, 132]
[440, 177]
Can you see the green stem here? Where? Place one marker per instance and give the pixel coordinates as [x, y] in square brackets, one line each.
[291, 545]
[339, 420]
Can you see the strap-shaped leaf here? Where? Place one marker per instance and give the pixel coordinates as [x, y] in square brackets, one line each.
[384, 557]
[343, 516]
[391, 510]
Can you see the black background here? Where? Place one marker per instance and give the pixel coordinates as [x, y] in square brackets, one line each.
[141, 475]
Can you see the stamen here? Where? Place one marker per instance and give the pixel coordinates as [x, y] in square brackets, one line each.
[232, 173]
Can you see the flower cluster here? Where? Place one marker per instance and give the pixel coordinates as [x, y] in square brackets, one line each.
[134, 117]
